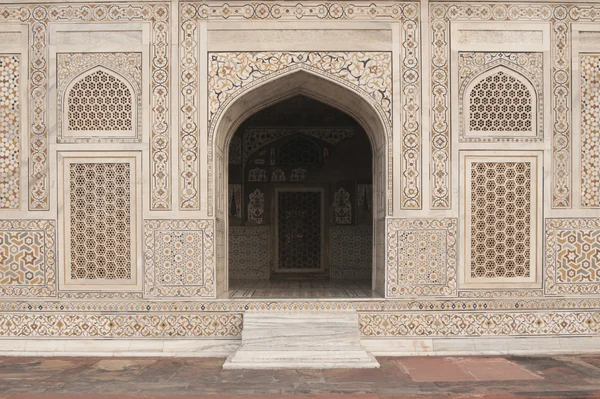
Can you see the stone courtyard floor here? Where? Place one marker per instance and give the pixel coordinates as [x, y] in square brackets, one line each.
[418, 377]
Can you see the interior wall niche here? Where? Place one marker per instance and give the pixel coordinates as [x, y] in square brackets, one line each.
[300, 145]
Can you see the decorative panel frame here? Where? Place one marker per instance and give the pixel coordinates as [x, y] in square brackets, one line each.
[39, 19]
[191, 14]
[560, 17]
[27, 247]
[134, 160]
[535, 261]
[421, 257]
[572, 257]
[164, 240]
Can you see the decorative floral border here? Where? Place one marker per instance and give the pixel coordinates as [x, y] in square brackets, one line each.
[473, 324]
[206, 325]
[420, 324]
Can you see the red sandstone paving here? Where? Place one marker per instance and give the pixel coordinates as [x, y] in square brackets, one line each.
[203, 378]
[494, 369]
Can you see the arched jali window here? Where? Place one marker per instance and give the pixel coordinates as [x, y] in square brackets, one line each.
[100, 101]
[500, 102]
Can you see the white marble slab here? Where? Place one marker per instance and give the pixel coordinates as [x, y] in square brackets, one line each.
[275, 340]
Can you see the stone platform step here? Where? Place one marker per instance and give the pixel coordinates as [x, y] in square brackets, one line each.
[287, 340]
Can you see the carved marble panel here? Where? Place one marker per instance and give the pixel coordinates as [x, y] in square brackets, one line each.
[28, 258]
[206, 325]
[421, 257]
[100, 220]
[342, 207]
[256, 206]
[572, 256]
[479, 323]
[179, 258]
[501, 218]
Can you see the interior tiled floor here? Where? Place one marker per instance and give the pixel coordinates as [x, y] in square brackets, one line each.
[414, 377]
[301, 288]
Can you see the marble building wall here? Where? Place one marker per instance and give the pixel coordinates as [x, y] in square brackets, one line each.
[116, 118]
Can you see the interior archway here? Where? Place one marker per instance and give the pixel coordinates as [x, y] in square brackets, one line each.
[300, 157]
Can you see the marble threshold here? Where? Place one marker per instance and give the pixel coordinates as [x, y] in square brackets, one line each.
[300, 340]
[222, 348]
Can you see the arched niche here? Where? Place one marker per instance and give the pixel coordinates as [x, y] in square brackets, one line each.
[281, 87]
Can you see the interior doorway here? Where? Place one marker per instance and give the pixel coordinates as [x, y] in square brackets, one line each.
[300, 203]
[299, 230]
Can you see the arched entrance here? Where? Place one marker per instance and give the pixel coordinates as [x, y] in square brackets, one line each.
[287, 200]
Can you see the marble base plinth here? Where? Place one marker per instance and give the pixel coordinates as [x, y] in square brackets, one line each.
[286, 340]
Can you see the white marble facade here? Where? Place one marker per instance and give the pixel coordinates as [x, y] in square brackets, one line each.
[116, 120]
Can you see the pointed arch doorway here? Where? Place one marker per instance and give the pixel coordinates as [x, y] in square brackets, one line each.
[301, 178]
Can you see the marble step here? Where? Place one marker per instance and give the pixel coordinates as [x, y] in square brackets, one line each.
[274, 340]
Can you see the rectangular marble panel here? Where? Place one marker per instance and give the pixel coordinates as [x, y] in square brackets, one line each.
[501, 36]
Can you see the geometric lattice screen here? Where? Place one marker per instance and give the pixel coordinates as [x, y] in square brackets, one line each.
[500, 103]
[100, 220]
[9, 132]
[100, 209]
[501, 218]
[299, 230]
[100, 101]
